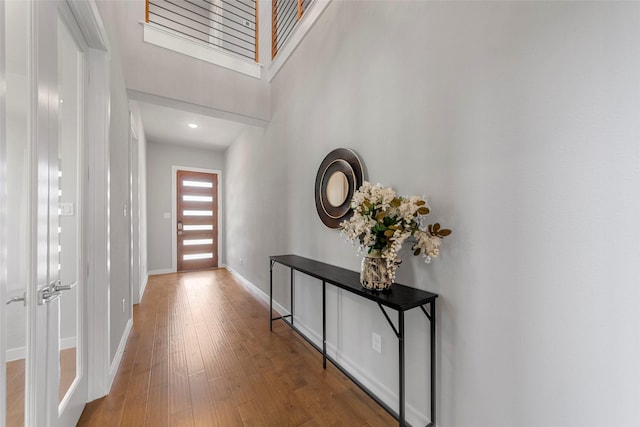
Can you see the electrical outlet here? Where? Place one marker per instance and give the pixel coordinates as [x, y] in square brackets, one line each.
[376, 342]
[124, 301]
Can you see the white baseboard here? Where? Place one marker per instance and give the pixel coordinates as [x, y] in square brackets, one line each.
[20, 352]
[15, 354]
[413, 416]
[257, 291]
[143, 282]
[113, 369]
[70, 342]
[161, 271]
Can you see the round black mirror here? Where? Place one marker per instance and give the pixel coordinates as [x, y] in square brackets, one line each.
[339, 176]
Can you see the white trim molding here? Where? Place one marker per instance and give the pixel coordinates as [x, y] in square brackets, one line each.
[143, 285]
[257, 291]
[113, 368]
[3, 216]
[156, 35]
[161, 271]
[297, 35]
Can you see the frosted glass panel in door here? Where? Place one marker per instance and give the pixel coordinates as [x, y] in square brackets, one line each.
[18, 210]
[69, 206]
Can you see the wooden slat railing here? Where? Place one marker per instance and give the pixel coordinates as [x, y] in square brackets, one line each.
[285, 14]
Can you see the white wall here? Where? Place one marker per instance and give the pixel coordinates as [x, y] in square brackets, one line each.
[160, 159]
[119, 206]
[520, 123]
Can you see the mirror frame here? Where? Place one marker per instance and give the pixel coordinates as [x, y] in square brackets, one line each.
[339, 160]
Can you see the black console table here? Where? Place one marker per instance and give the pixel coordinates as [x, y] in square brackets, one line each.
[400, 298]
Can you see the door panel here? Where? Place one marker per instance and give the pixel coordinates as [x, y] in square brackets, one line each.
[69, 230]
[197, 220]
[41, 160]
[17, 152]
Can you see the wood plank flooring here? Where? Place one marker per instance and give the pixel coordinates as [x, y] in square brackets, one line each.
[201, 354]
[15, 393]
[15, 384]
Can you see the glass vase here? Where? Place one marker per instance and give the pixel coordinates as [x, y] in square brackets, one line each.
[375, 275]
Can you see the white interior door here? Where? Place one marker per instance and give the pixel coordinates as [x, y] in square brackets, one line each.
[43, 349]
[66, 318]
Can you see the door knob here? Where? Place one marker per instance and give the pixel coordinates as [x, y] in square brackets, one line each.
[47, 295]
[16, 299]
[53, 291]
[58, 286]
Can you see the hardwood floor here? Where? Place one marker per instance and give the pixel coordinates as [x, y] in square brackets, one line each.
[15, 385]
[201, 354]
[67, 370]
[15, 393]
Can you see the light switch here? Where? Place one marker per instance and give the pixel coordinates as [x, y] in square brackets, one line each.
[166, 215]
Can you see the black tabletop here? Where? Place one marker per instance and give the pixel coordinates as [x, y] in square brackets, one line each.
[398, 297]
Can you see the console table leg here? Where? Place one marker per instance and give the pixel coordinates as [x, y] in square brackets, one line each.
[292, 296]
[271, 296]
[401, 414]
[324, 325]
[433, 361]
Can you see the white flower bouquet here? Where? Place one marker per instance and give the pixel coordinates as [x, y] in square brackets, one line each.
[382, 221]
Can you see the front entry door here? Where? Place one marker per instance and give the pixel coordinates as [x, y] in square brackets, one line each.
[197, 220]
[42, 350]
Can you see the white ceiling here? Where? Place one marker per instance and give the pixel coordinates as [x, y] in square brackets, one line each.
[170, 126]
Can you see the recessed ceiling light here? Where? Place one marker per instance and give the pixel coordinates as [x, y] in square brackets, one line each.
[61, 101]
[193, 125]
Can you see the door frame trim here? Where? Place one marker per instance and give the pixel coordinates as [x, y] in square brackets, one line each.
[3, 217]
[97, 119]
[134, 214]
[98, 230]
[174, 211]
